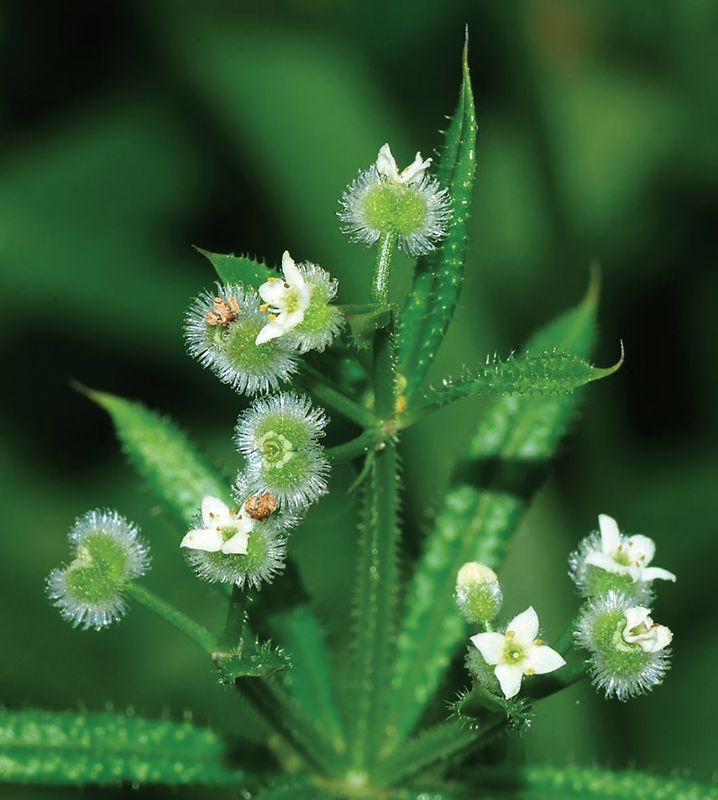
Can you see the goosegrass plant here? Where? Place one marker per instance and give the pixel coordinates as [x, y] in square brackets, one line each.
[382, 720]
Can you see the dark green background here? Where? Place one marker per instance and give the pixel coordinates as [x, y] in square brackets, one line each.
[131, 130]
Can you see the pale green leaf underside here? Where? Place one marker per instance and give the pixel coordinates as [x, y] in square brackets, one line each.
[164, 456]
[44, 747]
[238, 269]
[528, 375]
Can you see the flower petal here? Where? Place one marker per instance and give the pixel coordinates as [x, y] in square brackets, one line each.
[415, 171]
[273, 292]
[509, 677]
[610, 534]
[604, 561]
[636, 615]
[291, 272]
[207, 539]
[640, 549]
[657, 573]
[237, 545]
[664, 636]
[524, 627]
[490, 645]
[386, 163]
[215, 513]
[270, 331]
[542, 659]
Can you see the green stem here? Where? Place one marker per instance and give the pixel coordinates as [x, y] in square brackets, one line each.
[361, 445]
[315, 383]
[380, 279]
[198, 633]
[235, 626]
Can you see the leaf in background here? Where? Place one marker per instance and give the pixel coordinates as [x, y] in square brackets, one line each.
[430, 306]
[45, 747]
[332, 115]
[566, 783]
[80, 214]
[164, 456]
[238, 269]
[310, 681]
[507, 461]
[550, 373]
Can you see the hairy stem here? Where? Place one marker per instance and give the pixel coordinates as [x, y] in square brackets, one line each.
[380, 279]
[198, 633]
[361, 445]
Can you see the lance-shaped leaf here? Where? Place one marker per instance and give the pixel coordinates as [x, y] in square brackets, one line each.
[164, 456]
[507, 461]
[310, 682]
[430, 306]
[45, 747]
[549, 373]
[567, 783]
[238, 269]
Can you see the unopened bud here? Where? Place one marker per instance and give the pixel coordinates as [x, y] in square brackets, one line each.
[478, 593]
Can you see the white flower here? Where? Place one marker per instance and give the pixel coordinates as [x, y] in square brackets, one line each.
[642, 630]
[517, 652]
[226, 529]
[410, 205]
[626, 555]
[285, 300]
[386, 166]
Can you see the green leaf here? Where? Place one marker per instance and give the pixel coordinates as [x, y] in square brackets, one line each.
[439, 276]
[436, 744]
[252, 659]
[565, 783]
[507, 461]
[310, 682]
[548, 373]
[44, 747]
[238, 269]
[163, 455]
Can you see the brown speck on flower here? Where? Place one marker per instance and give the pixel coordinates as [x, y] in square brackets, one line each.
[261, 506]
[224, 312]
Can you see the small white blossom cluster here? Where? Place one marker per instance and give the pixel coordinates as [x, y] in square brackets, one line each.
[286, 471]
[107, 552]
[503, 659]
[629, 653]
[252, 339]
[409, 205]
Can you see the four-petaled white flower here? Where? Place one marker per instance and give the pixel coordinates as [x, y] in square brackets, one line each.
[642, 630]
[386, 166]
[226, 529]
[626, 555]
[517, 652]
[285, 301]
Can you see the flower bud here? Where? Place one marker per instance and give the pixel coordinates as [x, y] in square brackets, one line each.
[221, 331]
[279, 437]
[629, 653]
[107, 553]
[478, 593]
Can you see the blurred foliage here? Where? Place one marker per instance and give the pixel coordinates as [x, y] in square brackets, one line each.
[132, 130]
